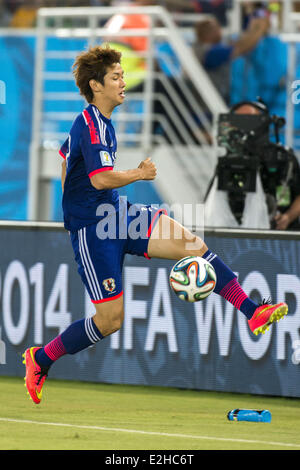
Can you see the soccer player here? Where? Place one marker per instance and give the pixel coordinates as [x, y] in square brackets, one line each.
[92, 210]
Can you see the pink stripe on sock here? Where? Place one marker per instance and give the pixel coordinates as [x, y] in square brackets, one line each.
[55, 349]
[227, 287]
[234, 293]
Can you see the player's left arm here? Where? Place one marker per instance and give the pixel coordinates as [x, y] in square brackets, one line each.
[63, 173]
[63, 152]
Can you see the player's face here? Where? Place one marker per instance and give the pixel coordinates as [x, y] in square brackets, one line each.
[114, 85]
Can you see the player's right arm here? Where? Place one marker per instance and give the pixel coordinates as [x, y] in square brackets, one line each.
[99, 163]
[116, 179]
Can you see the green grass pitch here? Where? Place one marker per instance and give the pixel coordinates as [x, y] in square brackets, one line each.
[92, 416]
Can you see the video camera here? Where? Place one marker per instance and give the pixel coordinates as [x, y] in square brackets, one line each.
[246, 138]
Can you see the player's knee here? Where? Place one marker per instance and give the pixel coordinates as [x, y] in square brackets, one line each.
[109, 321]
[116, 320]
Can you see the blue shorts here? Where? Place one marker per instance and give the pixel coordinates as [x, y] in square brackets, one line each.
[100, 248]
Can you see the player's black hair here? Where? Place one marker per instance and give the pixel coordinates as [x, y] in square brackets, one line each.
[93, 64]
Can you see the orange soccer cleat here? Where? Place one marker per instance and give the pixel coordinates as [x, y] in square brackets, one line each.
[35, 375]
[265, 315]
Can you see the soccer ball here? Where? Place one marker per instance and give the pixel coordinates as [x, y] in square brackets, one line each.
[193, 278]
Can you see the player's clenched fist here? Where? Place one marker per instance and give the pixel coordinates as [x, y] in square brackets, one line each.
[148, 169]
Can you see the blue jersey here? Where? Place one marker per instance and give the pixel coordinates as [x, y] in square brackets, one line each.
[89, 149]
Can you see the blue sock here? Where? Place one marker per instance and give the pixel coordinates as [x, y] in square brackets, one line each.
[228, 287]
[78, 336]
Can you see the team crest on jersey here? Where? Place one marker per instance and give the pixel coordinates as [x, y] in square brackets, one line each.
[105, 158]
[109, 285]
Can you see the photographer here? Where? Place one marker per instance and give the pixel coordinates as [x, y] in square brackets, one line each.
[245, 132]
[257, 183]
[282, 190]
